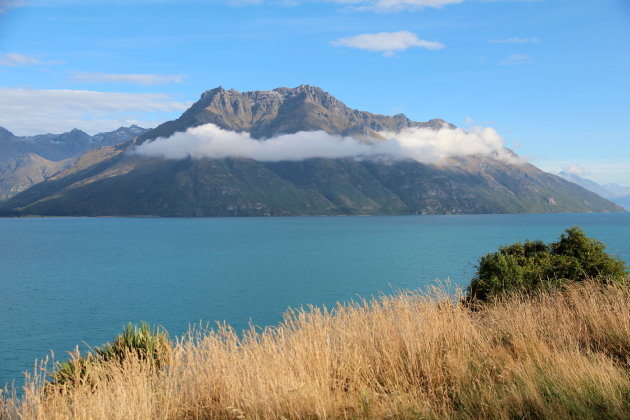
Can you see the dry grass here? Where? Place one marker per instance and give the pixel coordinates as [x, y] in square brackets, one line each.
[560, 355]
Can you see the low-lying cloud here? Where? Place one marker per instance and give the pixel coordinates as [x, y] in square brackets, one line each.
[575, 169]
[422, 144]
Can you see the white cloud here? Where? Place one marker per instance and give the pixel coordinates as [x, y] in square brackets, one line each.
[576, 169]
[512, 1]
[395, 5]
[515, 59]
[421, 144]
[387, 42]
[602, 171]
[32, 111]
[9, 4]
[399, 5]
[516, 40]
[244, 2]
[16, 60]
[381, 6]
[138, 79]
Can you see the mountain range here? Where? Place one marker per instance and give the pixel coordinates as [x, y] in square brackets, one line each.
[117, 180]
[616, 193]
[28, 160]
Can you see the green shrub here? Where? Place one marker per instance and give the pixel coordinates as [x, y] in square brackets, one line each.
[534, 266]
[144, 343]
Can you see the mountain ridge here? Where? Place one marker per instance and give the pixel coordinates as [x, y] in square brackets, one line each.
[616, 193]
[113, 182]
[284, 111]
[28, 160]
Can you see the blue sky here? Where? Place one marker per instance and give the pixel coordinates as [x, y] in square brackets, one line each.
[551, 76]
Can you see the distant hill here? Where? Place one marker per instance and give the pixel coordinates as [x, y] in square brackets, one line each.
[25, 161]
[623, 201]
[616, 193]
[116, 181]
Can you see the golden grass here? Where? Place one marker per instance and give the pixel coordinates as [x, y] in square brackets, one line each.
[413, 355]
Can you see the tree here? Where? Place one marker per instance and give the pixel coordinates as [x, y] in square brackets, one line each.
[535, 266]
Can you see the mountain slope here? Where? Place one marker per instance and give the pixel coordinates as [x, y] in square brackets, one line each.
[20, 173]
[25, 161]
[115, 181]
[616, 193]
[623, 201]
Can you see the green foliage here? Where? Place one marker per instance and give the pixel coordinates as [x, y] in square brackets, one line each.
[535, 266]
[74, 370]
[143, 343]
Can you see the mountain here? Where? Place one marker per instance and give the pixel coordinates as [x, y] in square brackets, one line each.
[116, 137]
[281, 111]
[20, 173]
[623, 201]
[118, 181]
[28, 160]
[62, 146]
[616, 193]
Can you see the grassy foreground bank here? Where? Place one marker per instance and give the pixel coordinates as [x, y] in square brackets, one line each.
[560, 354]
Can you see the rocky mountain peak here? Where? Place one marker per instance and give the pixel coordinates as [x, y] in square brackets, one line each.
[284, 110]
[75, 132]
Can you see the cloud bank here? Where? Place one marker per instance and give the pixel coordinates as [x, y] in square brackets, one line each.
[34, 111]
[422, 144]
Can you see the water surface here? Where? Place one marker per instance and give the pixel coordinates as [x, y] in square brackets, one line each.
[66, 281]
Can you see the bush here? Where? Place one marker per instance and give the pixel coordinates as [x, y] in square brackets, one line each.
[535, 266]
[143, 343]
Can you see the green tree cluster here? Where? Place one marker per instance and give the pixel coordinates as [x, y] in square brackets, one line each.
[534, 266]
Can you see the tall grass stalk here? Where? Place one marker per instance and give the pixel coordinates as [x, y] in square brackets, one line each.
[564, 354]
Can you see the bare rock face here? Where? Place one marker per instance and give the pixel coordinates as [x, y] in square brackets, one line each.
[284, 111]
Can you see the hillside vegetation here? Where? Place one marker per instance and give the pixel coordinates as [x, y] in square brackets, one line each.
[562, 354]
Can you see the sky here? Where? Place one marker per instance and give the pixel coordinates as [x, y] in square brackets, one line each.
[552, 77]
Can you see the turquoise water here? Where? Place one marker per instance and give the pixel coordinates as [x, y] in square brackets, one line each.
[68, 281]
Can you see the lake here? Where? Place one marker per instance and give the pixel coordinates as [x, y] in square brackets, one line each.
[69, 281]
